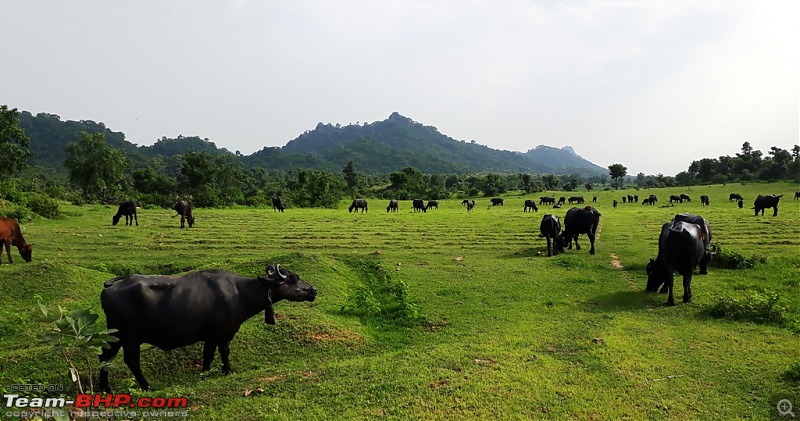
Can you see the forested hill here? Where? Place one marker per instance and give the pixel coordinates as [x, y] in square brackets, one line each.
[379, 147]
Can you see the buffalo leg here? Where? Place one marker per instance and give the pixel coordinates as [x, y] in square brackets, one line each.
[548, 247]
[208, 353]
[131, 355]
[135, 217]
[183, 219]
[591, 242]
[224, 352]
[775, 213]
[687, 288]
[671, 284]
[704, 262]
[107, 355]
[577, 246]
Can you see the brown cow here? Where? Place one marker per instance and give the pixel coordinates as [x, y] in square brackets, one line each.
[11, 235]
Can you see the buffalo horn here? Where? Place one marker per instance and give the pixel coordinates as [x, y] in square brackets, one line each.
[713, 249]
[278, 269]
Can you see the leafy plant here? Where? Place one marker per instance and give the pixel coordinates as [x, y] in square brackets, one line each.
[75, 337]
[762, 308]
[44, 206]
[380, 297]
[725, 259]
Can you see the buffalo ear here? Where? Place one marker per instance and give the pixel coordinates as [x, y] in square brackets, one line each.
[269, 313]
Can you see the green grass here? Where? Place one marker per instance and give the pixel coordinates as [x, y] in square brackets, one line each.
[505, 333]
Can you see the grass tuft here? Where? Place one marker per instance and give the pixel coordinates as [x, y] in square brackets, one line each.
[761, 308]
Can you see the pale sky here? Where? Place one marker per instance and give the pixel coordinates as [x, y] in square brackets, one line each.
[649, 84]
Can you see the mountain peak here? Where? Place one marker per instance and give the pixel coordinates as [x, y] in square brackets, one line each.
[569, 149]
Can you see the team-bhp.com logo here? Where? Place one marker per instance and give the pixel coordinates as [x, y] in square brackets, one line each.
[86, 403]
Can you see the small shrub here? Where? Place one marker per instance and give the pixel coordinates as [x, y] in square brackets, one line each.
[381, 298]
[44, 206]
[732, 260]
[17, 212]
[761, 308]
[793, 374]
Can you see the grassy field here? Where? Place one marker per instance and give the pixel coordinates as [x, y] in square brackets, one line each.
[505, 332]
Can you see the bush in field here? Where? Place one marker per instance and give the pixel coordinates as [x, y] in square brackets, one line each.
[761, 308]
[379, 297]
[17, 212]
[732, 260]
[44, 206]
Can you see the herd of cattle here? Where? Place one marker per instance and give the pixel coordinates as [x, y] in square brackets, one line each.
[210, 305]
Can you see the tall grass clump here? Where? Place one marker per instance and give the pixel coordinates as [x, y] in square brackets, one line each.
[725, 259]
[762, 308]
[378, 297]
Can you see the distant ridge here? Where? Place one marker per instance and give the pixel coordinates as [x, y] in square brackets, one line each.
[378, 147]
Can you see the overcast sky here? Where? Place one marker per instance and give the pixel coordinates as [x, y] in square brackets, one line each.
[649, 84]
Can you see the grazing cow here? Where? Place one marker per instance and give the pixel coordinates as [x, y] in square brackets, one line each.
[394, 205]
[675, 198]
[580, 221]
[358, 204]
[741, 204]
[497, 201]
[465, 202]
[796, 195]
[763, 202]
[550, 228]
[174, 311]
[575, 199]
[624, 199]
[470, 204]
[704, 200]
[680, 249]
[614, 203]
[419, 205]
[636, 198]
[184, 209]
[735, 196]
[594, 199]
[11, 235]
[686, 197]
[653, 199]
[562, 200]
[648, 201]
[547, 200]
[277, 204]
[432, 204]
[630, 198]
[530, 204]
[128, 209]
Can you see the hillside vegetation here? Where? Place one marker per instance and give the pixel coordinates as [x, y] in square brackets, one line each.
[496, 330]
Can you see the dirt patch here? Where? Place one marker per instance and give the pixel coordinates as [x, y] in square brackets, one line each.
[615, 261]
[334, 335]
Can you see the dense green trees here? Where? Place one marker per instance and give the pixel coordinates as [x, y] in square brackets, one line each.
[617, 171]
[750, 164]
[99, 170]
[14, 144]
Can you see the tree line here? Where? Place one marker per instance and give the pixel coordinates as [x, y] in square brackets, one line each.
[101, 173]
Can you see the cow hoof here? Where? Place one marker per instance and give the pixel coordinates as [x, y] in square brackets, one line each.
[591, 251]
[703, 272]
[671, 303]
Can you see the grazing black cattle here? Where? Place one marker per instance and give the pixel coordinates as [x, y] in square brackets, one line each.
[704, 200]
[470, 204]
[432, 204]
[394, 206]
[128, 209]
[358, 204]
[419, 205]
[594, 199]
[530, 204]
[562, 200]
[675, 198]
[174, 311]
[575, 199]
[680, 249]
[796, 195]
[648, 201]
[685, 197]
[550, 228]
[735, 196]
[614, 203]
[705, 234]
[547, 200]
[630, 198]
[763, 202]
[635, 198]
[580, 221]
[277, 204]
[184, 209]
[465, 202]
[741, 204]
[497, 201]
[624, 199]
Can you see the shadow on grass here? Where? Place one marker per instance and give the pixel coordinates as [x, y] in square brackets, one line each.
[623, 301]
[526, 253]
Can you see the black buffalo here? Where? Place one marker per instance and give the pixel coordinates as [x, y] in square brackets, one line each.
[530, 204]
[614, 203]
[796, 195]
[394, 205]
[635, 198]
[127, 209]
[184, 209]
[469, 204]
[358, 204]
[648, 201]
[576, 199]
[741, 204]
[544, 200]
[686, 197]
[497, 201]
[680, 249]
[562, 200]
[170, 312]
[580, 221]
[675, 198]
[550, 228]
[419, 205]
[277, 204]
[704, 200]
[594, 199]
[624, 199]
[432, 204]
[735, 196]
[764, 202]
